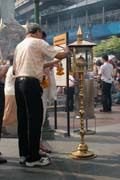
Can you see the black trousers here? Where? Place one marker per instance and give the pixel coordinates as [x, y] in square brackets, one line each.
[70, 100]
[106, 96]
[2, 103]
[30, 116]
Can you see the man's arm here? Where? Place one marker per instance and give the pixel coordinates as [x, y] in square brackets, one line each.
[59, 57]
[62, 55]
[3, 71]
[51, 63]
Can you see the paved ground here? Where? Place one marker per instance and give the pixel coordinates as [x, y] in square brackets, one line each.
[105, 144]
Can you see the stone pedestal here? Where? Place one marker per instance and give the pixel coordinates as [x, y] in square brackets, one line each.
[89, 98]
[7, 10]
[47, 132]
[10, 35]
[11, 32]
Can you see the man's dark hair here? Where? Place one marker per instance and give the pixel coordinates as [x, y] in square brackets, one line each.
[44, 35]
[32, 28]
[105, 57]
[98, 63]
[10, 58]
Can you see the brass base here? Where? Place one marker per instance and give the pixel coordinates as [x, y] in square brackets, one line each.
[82, 152]
[82, 155]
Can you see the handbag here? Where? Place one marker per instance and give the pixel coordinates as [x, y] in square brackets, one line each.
[52, 90]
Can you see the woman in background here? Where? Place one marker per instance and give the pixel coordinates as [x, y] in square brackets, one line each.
[10, 115]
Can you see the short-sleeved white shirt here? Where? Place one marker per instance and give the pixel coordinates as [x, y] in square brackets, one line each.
[30, 56]
[9, 82]
[71, 81]
[106, 72]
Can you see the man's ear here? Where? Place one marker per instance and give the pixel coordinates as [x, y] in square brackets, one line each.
[41, 36]
[38, 33]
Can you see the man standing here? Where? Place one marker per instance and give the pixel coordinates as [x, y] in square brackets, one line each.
[3, 71]
[71, 94]
[29, 62]
[106, 79]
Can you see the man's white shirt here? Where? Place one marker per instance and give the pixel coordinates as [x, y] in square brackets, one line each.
[106, 72]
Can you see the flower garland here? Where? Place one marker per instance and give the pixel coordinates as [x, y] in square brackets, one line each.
[60, 69]
[45, 82]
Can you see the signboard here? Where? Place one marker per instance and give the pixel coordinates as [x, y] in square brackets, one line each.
[60, 40]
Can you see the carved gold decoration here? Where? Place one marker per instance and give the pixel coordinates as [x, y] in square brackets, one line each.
[80, 67]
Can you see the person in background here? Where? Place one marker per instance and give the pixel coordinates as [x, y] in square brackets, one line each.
[10, 115]
[71, 94]
[3, 71]
[28, 65]
[45, 97]
[113, 74]
[116, 96]
[118, 71]
[105, 73]
[98, 63]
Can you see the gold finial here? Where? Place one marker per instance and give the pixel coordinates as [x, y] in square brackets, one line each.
[1, 21]
[79, 34]
[25, 25]
[2, 25]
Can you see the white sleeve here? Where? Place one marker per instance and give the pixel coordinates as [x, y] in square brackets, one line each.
[47, 49]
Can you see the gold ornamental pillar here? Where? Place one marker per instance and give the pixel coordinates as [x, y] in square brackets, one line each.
[82, 62]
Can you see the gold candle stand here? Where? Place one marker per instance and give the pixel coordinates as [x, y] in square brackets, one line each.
[82, 149]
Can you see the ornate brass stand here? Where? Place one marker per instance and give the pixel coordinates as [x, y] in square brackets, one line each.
[82, 149]
[82, 59]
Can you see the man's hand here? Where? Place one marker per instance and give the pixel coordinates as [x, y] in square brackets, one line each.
[66, 49]
[3, 70]
[62, 55]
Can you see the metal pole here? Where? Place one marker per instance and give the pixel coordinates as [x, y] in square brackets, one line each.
[68, 95]
[103, 13]
[58, 23]
[36, 11]
[55, 114]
